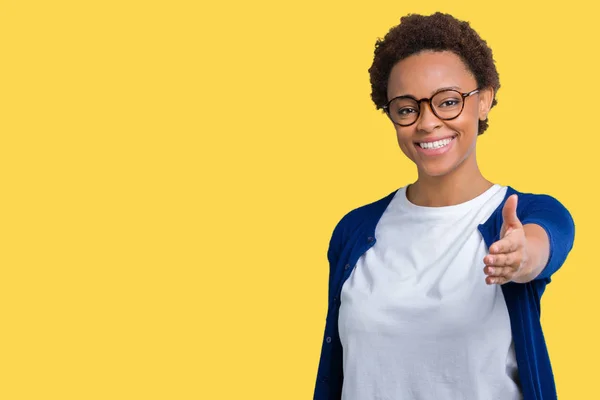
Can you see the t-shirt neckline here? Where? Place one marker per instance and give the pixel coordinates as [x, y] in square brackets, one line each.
[452, 210]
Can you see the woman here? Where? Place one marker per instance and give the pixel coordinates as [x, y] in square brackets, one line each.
[434, 290]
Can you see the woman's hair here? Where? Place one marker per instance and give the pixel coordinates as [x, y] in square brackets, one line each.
[437, 32]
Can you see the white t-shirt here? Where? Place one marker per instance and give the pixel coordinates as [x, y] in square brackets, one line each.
[417, 320]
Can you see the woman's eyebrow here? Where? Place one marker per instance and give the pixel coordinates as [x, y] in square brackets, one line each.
[432, 93]
[445, 88]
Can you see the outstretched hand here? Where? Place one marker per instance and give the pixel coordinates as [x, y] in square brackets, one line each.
[508, 257]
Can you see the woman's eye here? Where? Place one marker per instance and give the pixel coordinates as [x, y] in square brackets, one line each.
[449, 103]
[406, 111]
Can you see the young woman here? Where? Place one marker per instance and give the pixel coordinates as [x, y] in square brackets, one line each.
[434, 290]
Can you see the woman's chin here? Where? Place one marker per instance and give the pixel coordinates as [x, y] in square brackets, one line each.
[435, 170]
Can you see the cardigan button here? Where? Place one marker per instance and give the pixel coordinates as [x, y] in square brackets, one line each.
[346, 266]
[328, 339]
[370, 239]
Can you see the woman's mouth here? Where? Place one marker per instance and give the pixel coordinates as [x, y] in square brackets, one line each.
[436, 147]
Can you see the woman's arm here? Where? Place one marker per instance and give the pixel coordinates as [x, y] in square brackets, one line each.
[533, 248]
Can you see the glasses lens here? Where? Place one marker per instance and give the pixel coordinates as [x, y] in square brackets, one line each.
[404, 111]
[447, 104]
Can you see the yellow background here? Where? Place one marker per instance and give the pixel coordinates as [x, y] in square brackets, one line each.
[171, 172]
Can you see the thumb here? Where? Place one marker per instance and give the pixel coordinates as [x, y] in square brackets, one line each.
[509, 213]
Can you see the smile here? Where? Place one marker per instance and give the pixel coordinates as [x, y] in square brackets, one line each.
[435, 148]
[435, 145]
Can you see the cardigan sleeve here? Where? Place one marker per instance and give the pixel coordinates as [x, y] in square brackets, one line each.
[555, 219]
[334, 245]
[334, 250]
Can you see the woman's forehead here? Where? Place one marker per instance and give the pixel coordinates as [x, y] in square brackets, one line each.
[423, 74]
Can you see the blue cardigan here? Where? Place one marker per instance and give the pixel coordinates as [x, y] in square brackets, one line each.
[355, 234]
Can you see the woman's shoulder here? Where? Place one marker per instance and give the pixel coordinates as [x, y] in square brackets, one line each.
[365, 216]
[372, 209]
[541, 208]
[531, 200]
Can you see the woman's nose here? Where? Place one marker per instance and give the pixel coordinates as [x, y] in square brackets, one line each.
[427, 120]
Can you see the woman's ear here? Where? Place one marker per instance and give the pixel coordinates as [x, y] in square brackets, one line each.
[486, 97]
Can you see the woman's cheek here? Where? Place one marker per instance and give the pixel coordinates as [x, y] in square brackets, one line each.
[405, 144]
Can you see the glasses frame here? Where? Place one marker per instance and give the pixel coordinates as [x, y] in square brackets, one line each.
[429, 100]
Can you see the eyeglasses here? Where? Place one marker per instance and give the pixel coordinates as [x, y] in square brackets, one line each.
[445, 104]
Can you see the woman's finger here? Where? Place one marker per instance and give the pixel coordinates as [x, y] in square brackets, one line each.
[499, 272]
[506, 245]
[497, 280]
[503, 260]
[500, 280]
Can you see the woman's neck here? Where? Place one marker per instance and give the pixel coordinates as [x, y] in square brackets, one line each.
[459, 186]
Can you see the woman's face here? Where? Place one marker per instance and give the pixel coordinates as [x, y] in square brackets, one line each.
[421, 75]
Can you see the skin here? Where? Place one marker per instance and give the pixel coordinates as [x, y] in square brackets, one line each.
[454, 177]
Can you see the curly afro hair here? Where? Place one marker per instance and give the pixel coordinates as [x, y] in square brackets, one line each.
[436, 32]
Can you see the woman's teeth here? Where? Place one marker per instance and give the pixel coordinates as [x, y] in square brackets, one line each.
[436, 144]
